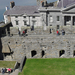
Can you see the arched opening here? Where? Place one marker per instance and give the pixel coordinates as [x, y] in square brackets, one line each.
[43, 53]
[33, 53]
[74, 53]
[62, 52]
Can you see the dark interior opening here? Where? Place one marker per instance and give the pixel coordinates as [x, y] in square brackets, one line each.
[33, 53]
[61, 53]
[74, 53]
[50, 31]
[43, 53]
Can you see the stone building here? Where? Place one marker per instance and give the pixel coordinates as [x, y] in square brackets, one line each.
[40, 43]
[55, 18]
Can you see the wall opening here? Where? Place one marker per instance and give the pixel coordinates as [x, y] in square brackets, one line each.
[74, 53]
[33, 53]
[43, 53]
[62, 52]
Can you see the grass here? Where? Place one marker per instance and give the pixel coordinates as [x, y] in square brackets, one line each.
[55, 66]
[7, 64]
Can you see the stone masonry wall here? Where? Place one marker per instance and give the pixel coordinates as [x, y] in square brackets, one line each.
[40, 46]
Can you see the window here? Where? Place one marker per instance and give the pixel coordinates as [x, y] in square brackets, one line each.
[24, 16]
[25, 22]
[51, 19]
[62, 52]
[33, 23]
[58, 18]
[16, 16]
[57, 26]
[51, 25]
[33, 16]
[16, 22]
[33, 53]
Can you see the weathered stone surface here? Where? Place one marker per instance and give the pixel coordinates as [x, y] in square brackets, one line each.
[40, 46]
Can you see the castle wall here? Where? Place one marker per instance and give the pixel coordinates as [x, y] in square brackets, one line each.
[40, 46]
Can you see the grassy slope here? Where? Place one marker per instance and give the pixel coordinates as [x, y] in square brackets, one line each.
[54, 66]
[7, 64]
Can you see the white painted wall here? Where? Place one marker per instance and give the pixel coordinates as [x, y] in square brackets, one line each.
[21, 19]
[5, 19]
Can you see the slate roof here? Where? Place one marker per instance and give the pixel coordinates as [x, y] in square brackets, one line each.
[20, 10]
[66, 3]
[1, 24]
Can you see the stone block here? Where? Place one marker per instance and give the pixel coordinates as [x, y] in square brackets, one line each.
[13, 30]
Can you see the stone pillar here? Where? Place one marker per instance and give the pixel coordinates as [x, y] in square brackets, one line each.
[44, 21]
[62, 20]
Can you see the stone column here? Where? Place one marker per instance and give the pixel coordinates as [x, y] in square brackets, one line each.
[62, 20]
[44, 21]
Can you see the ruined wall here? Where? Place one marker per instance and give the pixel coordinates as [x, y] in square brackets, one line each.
[40, 46]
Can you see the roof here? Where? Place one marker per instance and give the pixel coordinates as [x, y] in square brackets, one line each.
[49, 9]
[20, 10]
[66, 3]
[1, 24]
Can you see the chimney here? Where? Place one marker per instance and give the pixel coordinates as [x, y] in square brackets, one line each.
[12, 4]
[41, 3]
[6, 8]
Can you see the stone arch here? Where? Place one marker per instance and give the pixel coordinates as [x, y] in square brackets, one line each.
[42, 53]
[61, 53]
[74, 53]
[33, 53]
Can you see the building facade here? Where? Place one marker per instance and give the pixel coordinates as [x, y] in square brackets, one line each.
[56, 18]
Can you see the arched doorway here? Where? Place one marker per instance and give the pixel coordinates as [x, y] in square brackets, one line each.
[43, 53]
[33, 53]
[74, 53]
[62, 52]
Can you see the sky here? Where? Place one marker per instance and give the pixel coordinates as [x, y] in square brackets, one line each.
[4, 3]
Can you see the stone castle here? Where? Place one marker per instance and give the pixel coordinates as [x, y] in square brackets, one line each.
[38, 44]
[41, 40]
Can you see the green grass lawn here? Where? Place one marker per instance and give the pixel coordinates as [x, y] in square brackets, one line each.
[55, 66]
[7, 64]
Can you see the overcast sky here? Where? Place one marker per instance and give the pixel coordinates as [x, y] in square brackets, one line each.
[4, 3]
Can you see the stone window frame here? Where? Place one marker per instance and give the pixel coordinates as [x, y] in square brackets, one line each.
[25, 22]
[50, 24]
[16, 16]
[58, 26]
[33, 16]
[61, 52]
[58, 18]
[17, 22]
[32, 53]
[24, 17]
[51, 19]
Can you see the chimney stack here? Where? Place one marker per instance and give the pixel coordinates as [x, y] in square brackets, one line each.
[41, 3]
[6, 8]
[12, 4]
